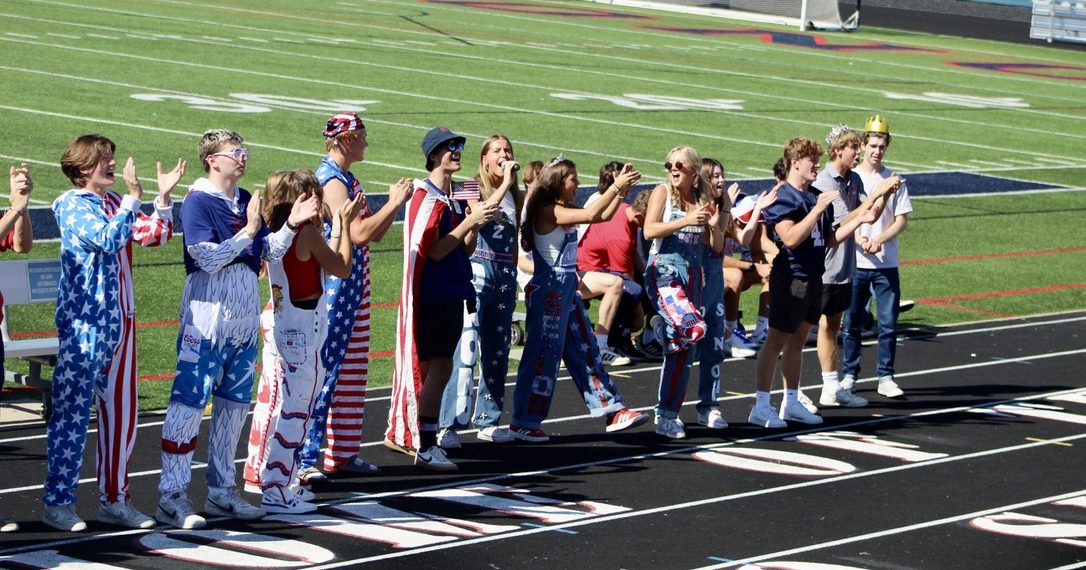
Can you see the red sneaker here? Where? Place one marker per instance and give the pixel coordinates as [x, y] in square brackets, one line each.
[534, 435]
[625, 419]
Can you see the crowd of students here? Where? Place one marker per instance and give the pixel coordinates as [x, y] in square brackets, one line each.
[818, 243]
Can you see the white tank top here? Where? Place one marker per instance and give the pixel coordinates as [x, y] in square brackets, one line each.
[554, 247]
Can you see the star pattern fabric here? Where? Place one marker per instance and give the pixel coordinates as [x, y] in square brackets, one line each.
[485, 338]
[340, 406]
[96, 332]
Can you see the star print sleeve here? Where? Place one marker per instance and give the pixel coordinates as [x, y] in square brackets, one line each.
[85, 222]
[156, 229]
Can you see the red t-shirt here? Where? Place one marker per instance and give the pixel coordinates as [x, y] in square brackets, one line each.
[6, 243]
[609, 245]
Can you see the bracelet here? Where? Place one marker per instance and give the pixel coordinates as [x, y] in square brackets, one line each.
[335, 236]
[291, 226]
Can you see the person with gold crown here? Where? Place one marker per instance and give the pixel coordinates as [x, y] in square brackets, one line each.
[838, 176]
[877, 264]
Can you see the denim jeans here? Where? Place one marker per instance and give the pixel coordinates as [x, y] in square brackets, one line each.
[885, 285]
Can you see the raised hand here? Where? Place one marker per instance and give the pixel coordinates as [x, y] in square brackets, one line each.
[135, 190]
[826, 198]
[350, 208]
[400, 192]
[253, 219]
[733, 193]
[508, 167]
[767, 198]
[167, 181]
[698, 216]
[627, 178]
[714, 216]
[305, 208]
[21, 185]
[481, 213]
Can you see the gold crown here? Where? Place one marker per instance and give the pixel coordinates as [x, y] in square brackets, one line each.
[877, 124]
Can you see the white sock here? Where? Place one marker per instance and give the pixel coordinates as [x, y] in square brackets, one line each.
[762, 325]
[761, 398]
[830, 384]
[790, 396]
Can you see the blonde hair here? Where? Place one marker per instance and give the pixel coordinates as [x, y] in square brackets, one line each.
[483, 177]
[283, 188]
[691, 159]
[340, 140]
[213, 141]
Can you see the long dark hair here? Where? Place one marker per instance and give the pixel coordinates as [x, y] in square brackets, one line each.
[548, 191]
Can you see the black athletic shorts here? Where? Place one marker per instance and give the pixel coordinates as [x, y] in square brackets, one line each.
[836, 297]
[438, 327]
[793, 300]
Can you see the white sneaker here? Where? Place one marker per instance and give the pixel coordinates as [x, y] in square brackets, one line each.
[765, 416]
[448, 439]
[7, 525]
[63, 517]
[796, 412]
[281, 500]
[806, 402]
[228, 503]
[434, 458]
[759, 337]
[303, 493]
[122, 513]
[671, 428]
[714, 419]
[842, 397]
[495, 434]
[612, 358]
[739, 349]
[310, 474]
[176, 510]
[889, 388]
[848, 382]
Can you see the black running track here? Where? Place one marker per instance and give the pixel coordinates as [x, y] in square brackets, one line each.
[981, 465]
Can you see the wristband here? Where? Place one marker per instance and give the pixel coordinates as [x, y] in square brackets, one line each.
[291, 226]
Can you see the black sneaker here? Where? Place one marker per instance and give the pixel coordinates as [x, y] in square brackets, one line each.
[652, 350]
[626, 348]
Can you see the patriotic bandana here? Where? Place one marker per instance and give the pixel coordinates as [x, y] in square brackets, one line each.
[342, 123]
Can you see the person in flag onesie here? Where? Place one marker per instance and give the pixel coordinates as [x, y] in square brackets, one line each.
[225, 241]
[557, 325]
[16, 234]
[96, 327]
[340, 406]
[485, 338]
[295, 329]
[440, 232]
[681, 219]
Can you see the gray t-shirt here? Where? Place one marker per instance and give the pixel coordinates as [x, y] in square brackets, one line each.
[840, 260]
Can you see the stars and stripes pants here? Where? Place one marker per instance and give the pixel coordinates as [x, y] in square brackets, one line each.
[81, 378]
[485, 340]
[340, 406]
